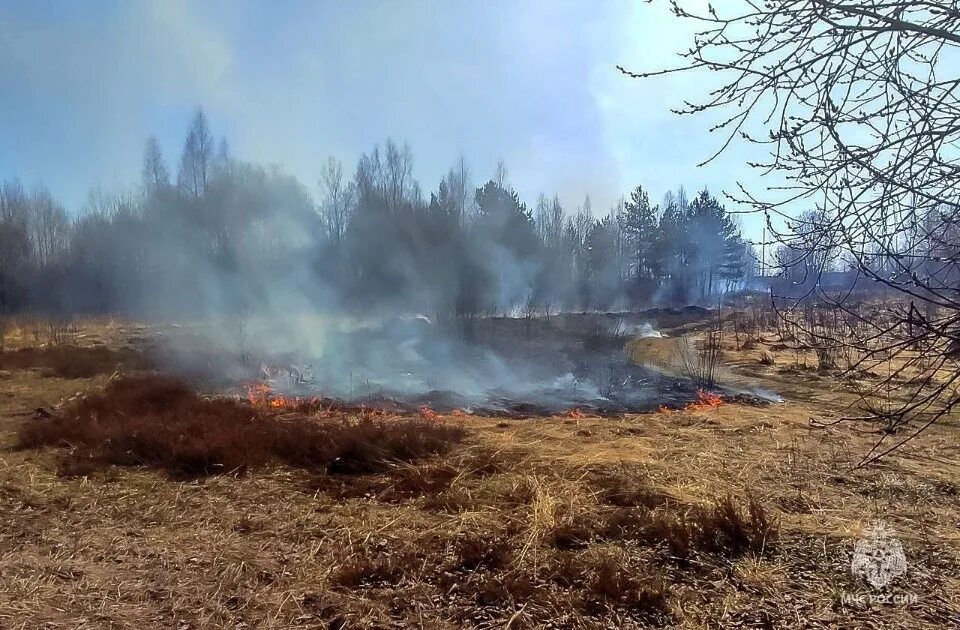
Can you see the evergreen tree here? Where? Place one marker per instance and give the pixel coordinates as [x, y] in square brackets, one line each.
[673, 250]
[602, 265]
[504, 222]
[716, 248]
[638, 222]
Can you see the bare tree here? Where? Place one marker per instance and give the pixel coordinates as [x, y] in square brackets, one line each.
[49, 228]
[15, 244]
[808, 252]
[223, 161]
[336, 201]
[555, 222]
[541, 217]
[197, 157]
[399, 173]
[501, 175]
[859, 106]
[458, 183]
[155, 175]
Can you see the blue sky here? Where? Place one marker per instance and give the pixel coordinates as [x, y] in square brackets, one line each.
[532, 83]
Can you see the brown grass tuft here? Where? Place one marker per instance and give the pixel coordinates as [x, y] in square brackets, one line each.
[452, 501]
[413, 481]
[401, 484]
[160, 422]
[609, 579]
[364, 570]
[725, 528]
[573, 535]
[612, 582]
[503, 589]
[624, 487]
[482, 551]
[729, 528]
[74, 362]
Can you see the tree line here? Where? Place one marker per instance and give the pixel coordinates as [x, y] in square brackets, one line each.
[225, 234]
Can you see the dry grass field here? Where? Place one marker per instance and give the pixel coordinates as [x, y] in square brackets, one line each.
[709, 517]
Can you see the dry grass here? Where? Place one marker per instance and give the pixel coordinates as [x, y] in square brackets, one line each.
[723, 527]
[160, 422]
[74, 362]
[727, 517]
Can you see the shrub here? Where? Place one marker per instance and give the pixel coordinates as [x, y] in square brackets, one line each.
[700, 364]
[160, 422]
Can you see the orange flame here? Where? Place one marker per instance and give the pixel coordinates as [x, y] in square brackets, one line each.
[427, 413]
[372, 412]
[705, 401]
[262, 395]
[258, 393]
[574, 413]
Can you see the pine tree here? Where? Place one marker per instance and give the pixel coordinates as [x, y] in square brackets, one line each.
[673, 249]
[716, 247]
[638, 222]
[603, 273]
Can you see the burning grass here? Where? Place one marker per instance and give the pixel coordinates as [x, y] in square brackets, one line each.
[160, 422]
[704, 402]
[263, 396]
[554, 522]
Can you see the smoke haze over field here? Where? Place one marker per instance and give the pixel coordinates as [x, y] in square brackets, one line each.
[531, 83]
[537, 180]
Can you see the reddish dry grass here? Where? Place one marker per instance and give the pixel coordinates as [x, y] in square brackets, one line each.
[74, 362]
[160, 422]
